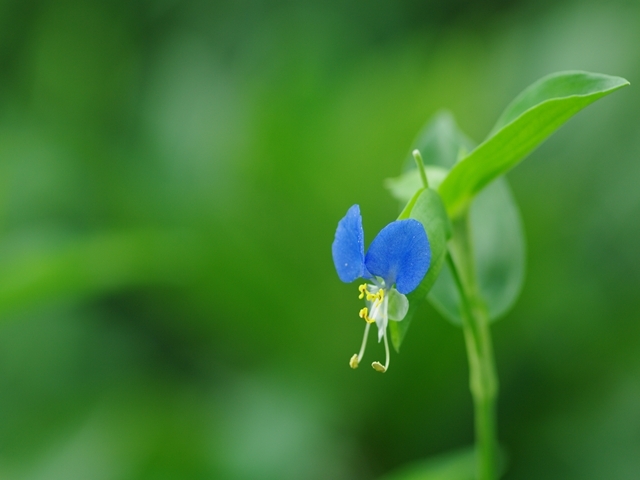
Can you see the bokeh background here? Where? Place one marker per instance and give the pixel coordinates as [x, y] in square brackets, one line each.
[171, 175]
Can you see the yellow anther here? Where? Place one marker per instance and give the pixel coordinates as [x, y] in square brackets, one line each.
[371, 297]
[379, 296]
[378, 367]
[364, 314]
[353, 363]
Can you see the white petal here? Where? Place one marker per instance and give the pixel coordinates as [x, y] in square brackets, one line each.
[398, 305]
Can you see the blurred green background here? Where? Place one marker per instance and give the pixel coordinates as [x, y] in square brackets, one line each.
[171, 176]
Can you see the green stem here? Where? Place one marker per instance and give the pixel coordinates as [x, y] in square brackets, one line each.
[420, 164]
[482, 374]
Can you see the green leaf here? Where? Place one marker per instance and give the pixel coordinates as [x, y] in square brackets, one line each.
[534, 115]
[499, 247]
[499, 253]
[459, 465]
[455, 465]
[428, 209]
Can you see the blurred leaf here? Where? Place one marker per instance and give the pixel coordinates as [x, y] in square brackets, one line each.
[440, 142]
[499, 253]
[534, 115]
[90, 265]
[405, 186]
[454, 466]
[428, 209]
[499, 247]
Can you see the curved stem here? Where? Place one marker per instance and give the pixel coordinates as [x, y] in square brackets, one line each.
[420, 164]
[482, 373]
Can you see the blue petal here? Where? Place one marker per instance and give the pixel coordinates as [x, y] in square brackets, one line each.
[400, 254]
[348, 246]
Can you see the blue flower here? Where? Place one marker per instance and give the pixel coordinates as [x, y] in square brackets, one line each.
[395, 264]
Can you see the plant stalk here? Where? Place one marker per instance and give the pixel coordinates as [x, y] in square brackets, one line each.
[483, 380]
[420, 165]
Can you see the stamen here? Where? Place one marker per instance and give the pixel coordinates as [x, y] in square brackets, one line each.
[353, 363]
[377, 366]
[379, 297]
[371, 297]
[355, 360]
[364, 313]
[376, 305]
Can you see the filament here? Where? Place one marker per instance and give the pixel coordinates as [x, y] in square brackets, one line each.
[364, 341]
[355, 360]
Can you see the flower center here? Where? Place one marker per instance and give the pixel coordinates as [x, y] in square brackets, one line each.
[374, 295]
[377, 298]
